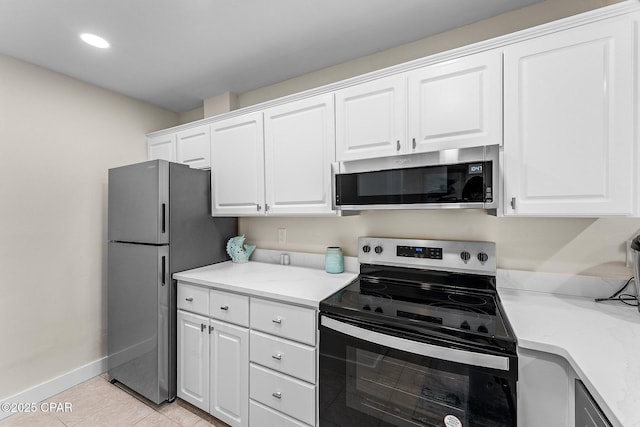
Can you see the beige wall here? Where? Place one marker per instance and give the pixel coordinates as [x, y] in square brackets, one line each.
[586, 246]
[560, 245]
[58, 137]
[191, 116]
[536, 14]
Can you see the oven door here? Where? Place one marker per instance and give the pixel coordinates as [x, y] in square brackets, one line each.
[370, 378]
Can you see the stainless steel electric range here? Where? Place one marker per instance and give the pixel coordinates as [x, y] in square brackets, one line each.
[418, 339]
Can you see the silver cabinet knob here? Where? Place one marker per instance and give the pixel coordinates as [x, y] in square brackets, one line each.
[224, 307]
[277, 395]
[277, 320]
[277, 356]
[190, 299]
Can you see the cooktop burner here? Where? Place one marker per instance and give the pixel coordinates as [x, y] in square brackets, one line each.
[431, 290]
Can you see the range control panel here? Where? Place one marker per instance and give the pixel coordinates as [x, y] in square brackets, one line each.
[419, 252]
[445, 255]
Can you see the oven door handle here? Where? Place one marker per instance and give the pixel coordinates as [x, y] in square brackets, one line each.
[416, 347]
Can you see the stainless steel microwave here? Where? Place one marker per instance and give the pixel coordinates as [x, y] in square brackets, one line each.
[456, 178]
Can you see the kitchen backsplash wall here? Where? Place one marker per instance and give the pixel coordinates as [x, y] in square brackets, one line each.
[586, 246]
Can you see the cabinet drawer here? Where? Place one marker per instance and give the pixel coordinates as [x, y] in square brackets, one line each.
[283, 320]
[283, 356]
[193, 298]
[230, 307]
[261, 416]
[285, 394]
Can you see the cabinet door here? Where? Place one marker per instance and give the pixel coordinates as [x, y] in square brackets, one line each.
[237, 166]
[229, 373]
[371, 119]
[162, 147]
[569, 122]
[299, 150]
[193, 147]
[193, 359]
[456, 104]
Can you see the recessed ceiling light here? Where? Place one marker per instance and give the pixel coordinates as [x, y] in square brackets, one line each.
[95, 41]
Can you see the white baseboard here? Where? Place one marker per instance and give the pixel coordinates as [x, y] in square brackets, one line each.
[57, 385]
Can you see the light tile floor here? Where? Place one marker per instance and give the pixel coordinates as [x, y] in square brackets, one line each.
[97, 402]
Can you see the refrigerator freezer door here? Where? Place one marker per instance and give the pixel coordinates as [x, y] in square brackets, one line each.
[139, 203]
[139, 318]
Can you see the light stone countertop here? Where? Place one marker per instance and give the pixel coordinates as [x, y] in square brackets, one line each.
[293, 284]
[601, 342]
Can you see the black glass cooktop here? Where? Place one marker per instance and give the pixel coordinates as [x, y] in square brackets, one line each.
[457, 307]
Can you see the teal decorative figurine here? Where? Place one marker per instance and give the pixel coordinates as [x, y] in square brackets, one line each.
[238, 251]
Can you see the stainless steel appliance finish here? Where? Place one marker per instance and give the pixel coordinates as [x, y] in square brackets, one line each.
[419, 339]
[159, 223]
[432, 180]
[635, 250]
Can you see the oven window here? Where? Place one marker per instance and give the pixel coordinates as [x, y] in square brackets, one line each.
[364, 383]
[402, 392]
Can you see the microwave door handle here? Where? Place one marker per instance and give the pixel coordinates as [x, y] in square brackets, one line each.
[416, 347]
[334, 172]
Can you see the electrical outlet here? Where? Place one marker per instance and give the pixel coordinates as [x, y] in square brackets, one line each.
[282, 235]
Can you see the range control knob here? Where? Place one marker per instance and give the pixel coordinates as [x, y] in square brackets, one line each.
[366, 249]
[483, 257]
[465, 256]
[378, 249]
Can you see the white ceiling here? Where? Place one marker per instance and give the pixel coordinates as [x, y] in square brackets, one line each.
[175, 53]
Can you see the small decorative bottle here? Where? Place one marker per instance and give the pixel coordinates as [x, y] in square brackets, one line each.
[334, 260]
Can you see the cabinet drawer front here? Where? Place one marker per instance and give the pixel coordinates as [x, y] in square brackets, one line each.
[232, 308]
[284, 356]
[261, 416]
[193, 298]
[283, 320]
[285, 394]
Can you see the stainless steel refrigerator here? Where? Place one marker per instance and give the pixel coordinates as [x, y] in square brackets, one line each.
[159, 223]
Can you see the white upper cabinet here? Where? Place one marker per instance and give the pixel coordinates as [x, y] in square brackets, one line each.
[237, 166]
[162, 147]
[371, 119]
[456, 104]
[569, 120]
[453, 104]
[193, 147]
[299, 141]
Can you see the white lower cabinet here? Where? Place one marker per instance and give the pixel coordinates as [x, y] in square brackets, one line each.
[288, 357]
[263, 416]
[283, 393]
[229, 373]
[545, 390]
[213, 360]
[247, 360]
[193, 359]
[283, 357]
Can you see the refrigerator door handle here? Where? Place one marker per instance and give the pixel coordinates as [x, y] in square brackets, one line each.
[164, 218]
[164, 270]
